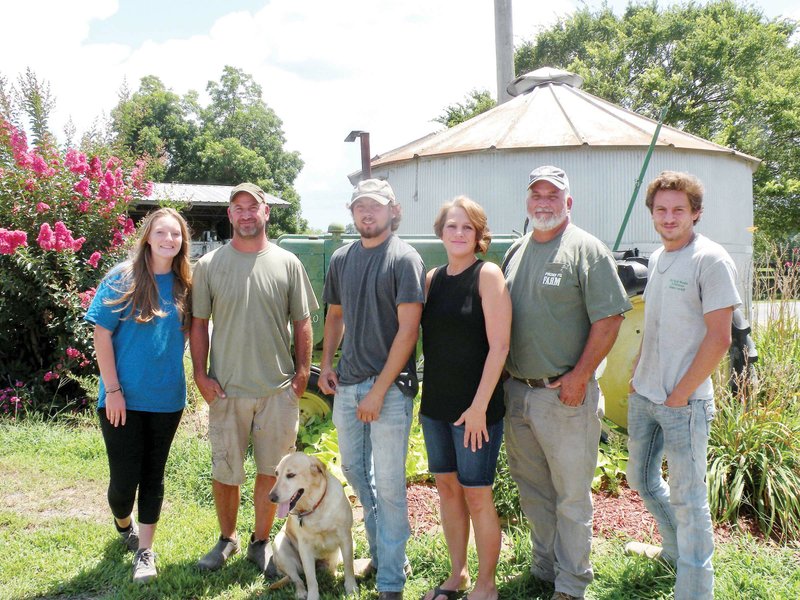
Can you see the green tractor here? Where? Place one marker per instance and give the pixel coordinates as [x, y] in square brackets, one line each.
[315, 253]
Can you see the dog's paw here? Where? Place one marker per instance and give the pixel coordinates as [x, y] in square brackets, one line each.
[350, 588]
[303, 595]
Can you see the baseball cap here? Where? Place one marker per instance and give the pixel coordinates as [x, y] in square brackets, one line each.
[549, 173]
[252, 189]
[377, 189]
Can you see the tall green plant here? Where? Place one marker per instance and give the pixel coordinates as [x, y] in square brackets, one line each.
[754, 465]
[754, 445]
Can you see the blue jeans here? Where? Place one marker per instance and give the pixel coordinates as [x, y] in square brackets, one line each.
[681, 507]
[552, 455]
[374, 462]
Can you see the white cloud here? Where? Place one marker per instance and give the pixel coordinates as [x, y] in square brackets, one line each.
[383, 66]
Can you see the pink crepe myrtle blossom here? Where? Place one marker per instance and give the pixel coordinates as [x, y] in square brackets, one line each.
[83, 207]
[130, 227]
[94, 259]
[86, 297]
[41, 207]
[30, 184]
[40, 166]
[76, 162]
[50, 376]
[73, 352]
[117, 239]
[95, 168]
[46, 238]
[82, 187]
[11, 239]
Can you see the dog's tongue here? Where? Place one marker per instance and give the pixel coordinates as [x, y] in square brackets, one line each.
[283, 510]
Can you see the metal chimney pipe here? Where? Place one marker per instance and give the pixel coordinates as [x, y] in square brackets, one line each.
[366, 166]
[504, 48]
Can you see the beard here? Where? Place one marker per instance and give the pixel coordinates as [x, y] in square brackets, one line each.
[546, 222]
[250, 230]
[372, 230]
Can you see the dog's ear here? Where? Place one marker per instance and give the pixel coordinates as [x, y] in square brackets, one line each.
[318, 465]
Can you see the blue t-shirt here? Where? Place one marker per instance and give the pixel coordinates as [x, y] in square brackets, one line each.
[149, 356]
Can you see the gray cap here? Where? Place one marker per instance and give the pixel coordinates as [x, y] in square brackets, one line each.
[549, 173]
[250, 188]
[377, 189]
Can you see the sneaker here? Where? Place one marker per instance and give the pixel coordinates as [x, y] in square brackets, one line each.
[144, 565]
[365, 568]
[564, 596]
[259, 552]
[390, 596]
[130, 536]
[224, 549]
[641, 549]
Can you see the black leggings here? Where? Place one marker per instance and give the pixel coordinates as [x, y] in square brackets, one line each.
[137, 456]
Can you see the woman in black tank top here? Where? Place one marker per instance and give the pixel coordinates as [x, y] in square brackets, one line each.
[466, 326]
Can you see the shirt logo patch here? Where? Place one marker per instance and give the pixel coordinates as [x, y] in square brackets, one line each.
[550, 278]
[678, 285]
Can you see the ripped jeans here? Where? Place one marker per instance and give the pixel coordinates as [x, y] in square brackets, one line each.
[374, 462]
[680, 507]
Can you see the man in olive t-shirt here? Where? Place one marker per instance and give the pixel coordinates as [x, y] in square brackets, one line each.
[257, 293]
[567, 304]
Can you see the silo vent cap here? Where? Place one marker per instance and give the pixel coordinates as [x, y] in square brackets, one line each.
[525, 83]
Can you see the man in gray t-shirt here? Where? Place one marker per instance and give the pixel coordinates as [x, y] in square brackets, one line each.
[374, 290]
[689, 302]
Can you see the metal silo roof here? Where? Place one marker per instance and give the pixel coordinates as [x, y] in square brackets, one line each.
[552, 111]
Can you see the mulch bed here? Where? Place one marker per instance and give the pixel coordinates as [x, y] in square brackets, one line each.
[615, 515]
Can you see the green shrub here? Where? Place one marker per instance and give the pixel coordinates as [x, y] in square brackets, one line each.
[754, 446]
[754, 466]
[62, 224]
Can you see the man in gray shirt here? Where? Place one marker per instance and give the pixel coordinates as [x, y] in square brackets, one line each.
[374, 290]
[689, 302]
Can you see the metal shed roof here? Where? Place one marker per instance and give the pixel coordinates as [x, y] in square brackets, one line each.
[551, 112]
[205, 195]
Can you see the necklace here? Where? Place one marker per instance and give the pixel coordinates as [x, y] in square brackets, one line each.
[674, 254]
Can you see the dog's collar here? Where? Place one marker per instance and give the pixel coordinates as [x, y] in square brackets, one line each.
[300, 516]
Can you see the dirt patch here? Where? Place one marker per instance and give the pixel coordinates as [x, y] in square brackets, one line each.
[38, 496]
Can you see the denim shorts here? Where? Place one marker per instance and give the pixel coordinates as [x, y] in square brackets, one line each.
[447, 454]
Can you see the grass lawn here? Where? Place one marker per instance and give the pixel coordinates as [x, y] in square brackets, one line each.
[57, 539]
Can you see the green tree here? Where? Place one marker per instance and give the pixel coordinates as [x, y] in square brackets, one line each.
[727, 73]
[236, 138]
[156, 122]
[475, 103]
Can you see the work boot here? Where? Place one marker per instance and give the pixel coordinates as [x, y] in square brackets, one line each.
[221, 552]
[641, 549]
[259, 552]
[564, 596]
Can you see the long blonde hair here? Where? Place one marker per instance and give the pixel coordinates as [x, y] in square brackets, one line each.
[137, 283]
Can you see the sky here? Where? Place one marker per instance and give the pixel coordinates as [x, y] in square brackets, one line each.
[388, 67]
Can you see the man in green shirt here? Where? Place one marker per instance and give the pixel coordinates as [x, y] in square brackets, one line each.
[257, 293]
[567, 303]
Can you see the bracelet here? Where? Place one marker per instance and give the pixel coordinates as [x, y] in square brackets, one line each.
[119, 389]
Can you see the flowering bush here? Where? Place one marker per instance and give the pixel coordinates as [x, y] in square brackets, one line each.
[63, 223]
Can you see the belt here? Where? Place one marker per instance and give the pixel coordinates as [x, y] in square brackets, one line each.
[537, 383]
